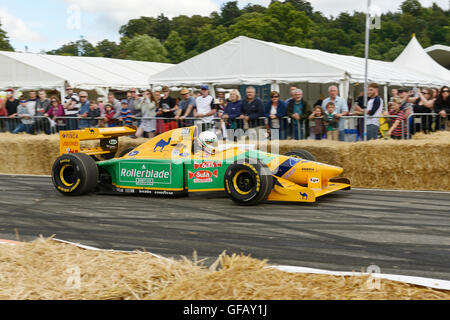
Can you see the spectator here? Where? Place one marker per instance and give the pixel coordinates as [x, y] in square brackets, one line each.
[42, 106]
[398, 128]
[233, 110]
[126, 116]
[147, 106]
[299, 110]
[205, 109]
[101, 105]
[442, 107]
[11, 106]
[3, 116]
[435, 93]
[109, 119]
[275, 111]
[186, 108]
[93, 114]
[358, 110]
[132, 100]
[115, 104]
[319, 101]
[54, 112]
[331, 122]
[25, 111]
[341, 109]
[167, 108]
[292, 90]
[252, 109]
[374, 111]
[423, 104]
[72, 107]
[394, 94]
[317, 121]
[84, 110]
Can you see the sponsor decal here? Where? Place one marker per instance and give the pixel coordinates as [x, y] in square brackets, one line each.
[70, 144]
[162, 144]
[289, 174]
[70, 135]
[91, 131]
[70, 150]
[186, 132]
[203, 176]
[164, 193]
[304, 196]
[113, 142]
[314, 180]
[207, 165]
[308, 169]
[145, 174]
[133, 153]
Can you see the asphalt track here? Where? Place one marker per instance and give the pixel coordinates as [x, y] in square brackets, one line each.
[405, 233]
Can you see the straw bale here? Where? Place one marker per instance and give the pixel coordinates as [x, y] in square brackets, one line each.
[422, 163]
[44, 270]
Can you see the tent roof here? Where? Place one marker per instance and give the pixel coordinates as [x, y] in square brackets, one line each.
[29, 70]
[248, 61]
[440, 53]
[415, 57]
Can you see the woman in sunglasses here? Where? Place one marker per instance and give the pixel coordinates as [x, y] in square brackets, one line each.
[442, 106]
[275, 111]
[424, 104]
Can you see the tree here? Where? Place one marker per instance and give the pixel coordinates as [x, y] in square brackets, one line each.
[4, 40]
[229, 12]
[175, 47]
[108, 49]
[142, 25]
[144, 48]
[81, 47]
[412, 7]
[162, 28]
[301, 5]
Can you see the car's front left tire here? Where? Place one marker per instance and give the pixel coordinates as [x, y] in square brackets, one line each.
[75, 174]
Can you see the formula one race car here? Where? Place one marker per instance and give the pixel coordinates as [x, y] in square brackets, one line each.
[182, 161]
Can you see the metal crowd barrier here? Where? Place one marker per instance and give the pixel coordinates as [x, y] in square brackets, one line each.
[288, 128]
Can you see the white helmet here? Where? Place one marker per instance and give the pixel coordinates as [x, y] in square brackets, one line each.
[209, 141]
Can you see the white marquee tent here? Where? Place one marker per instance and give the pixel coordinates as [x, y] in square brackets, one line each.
[39, 71]
[416, 58]
[248, 61]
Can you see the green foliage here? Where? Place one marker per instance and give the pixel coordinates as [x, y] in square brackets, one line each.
[175, 47]
[144, 48]
[290, 22]
[4, 41]
[81, 47]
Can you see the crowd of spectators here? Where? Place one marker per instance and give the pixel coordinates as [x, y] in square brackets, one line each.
[160, 111]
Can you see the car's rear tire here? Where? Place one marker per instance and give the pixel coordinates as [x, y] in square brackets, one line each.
[75, 174]
[302, 154]
[248, 184]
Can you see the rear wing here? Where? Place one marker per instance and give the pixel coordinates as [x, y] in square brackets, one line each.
[69, 141]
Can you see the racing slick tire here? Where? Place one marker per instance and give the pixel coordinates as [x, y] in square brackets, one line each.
[300, 153]
[248, 184]
[75, 174]
[125, 152]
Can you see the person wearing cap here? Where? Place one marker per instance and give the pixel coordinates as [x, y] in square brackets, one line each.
[186, 108]
[25, 114]
[84, 110]
[399, 127]
[167, 108]
[109, 116]
[126, 116]
[11, 106]
[205, 107]
[72, 106]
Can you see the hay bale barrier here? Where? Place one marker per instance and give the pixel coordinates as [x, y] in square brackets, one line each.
[48, 270]
[422, 163]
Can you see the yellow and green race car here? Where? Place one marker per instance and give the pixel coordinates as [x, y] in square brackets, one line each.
[173, 164]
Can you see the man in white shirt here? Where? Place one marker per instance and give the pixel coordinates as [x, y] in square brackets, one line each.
[205, 108]
[72, 107]
[374, 111]
[341, 109]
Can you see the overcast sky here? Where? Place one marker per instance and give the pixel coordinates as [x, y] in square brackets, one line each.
[48, 24]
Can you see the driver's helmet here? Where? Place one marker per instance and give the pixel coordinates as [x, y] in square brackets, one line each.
[209, 141]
